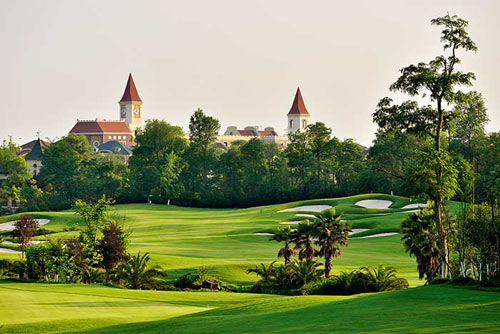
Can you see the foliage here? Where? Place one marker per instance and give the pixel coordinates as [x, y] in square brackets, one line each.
[136, 274]
[420, 240]
[15, 167]
[112, 245]
[25, 230]
[94, 216]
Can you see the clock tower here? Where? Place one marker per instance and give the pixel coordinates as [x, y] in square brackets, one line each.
[131, 106]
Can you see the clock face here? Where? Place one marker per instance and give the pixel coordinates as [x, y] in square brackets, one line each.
[137, 112]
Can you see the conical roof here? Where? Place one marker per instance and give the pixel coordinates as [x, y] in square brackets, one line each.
[298, 106]
[130, 93]
[36, 152]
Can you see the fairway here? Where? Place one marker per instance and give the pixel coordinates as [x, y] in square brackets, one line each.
[44, 308]
[223, 240]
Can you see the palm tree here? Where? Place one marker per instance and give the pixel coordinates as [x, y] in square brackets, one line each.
[285, 235]
[331, 233]
[136, 272]
[265, 272]
[382, 279]
[420, 240]
[303, 237]
[303, 272]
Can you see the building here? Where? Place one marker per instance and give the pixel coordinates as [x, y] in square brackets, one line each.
[115, 147]
[99, 131]
[34, 158]
[298, 120]
[26, 148]
[298, 116]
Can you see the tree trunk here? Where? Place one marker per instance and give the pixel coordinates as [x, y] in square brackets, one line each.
[328, 266]
[438, 201]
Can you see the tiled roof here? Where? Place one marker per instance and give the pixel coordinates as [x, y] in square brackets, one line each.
[298, 106]
[267, 133]
[130, 93]
[32, 143]
[100, 127]
[246, 133]
[114, 146]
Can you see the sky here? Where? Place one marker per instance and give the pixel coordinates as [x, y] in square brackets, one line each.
[240, 61]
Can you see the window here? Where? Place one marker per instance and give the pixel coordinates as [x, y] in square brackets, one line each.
[291, 124]
[114, 137]
[109, 137]
[304, 123]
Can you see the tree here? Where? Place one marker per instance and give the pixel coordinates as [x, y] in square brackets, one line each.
[201, 156]
[64, 165]
[331, 233]
[420, 240]
[304, 237]
[94, 216]
[16, 169]
[320, 146]
[112, 246]
[285, 235]
[299, 160]
[25, 230]
[137, 274]
[470, 126]
[436, 80]
[156, 165]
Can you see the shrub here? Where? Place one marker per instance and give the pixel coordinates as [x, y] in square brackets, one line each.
[439, 280]
[462, 280]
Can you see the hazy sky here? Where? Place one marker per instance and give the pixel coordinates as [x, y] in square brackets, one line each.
[240, 61]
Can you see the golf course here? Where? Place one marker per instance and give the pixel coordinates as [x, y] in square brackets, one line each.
[227, 242]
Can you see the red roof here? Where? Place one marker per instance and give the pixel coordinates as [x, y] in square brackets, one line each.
[100, 127]
[246, 133]
[298, 106]
[267, 133]
[130, 93]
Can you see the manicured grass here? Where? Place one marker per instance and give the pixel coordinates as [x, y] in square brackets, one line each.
[45, 308]
[222, 240]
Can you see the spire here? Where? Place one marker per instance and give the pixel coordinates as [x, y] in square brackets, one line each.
[36, 152]
[130, 93]
[298, 106]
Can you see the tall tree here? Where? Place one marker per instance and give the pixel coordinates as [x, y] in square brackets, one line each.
[156, 164]
[320, 145]
[470, 126]
[438, 81]
[201, 156]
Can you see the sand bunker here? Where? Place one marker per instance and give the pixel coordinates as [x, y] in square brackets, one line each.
[262, 233]
[374, 203]
[358, 230]
[32, 242]
[415, 206]
[291, 223]
[305, 215]
[313, 208]
[6, 250]
[10, 225]
[386, 234]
